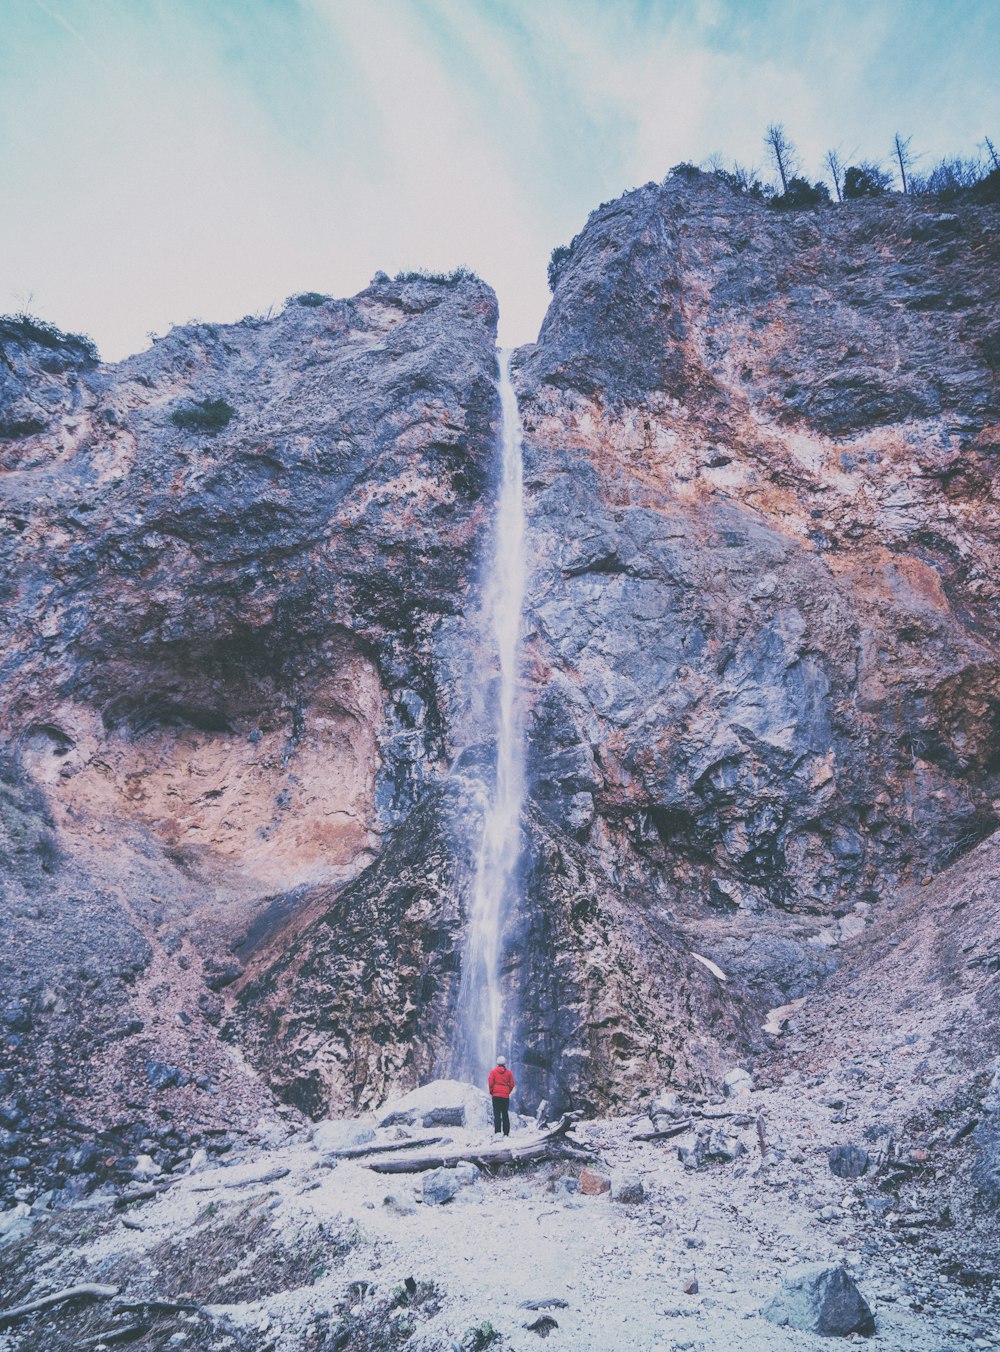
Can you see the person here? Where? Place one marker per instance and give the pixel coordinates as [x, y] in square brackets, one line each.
[501, 1087]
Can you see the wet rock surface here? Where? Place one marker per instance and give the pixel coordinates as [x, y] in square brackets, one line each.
[602, 996]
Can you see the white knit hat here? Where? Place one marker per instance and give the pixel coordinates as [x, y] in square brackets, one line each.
[501, 1060]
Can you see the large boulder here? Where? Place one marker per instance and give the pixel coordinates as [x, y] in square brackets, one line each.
[341, 1134]
[820, 1298]
[442, 1103]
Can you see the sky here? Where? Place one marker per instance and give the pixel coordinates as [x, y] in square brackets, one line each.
[163, 161]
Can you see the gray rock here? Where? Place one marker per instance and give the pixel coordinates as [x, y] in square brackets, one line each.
[162, 1076]
[627, 1188]
[820, 1298]
[341, 1134]
[440, 1185]
[736, 1083]
[666, 1105]
[847, 1161]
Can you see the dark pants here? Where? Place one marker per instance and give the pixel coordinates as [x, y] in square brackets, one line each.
[501, 1118]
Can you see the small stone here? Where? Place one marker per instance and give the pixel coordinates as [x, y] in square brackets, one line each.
[691, 1287]
[146, 1168]
[161, 1076]
[592, 1184]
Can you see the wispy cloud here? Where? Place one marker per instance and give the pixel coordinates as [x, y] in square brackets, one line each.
[173, 159]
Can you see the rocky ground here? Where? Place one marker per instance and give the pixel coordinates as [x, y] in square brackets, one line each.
[864, 1136]
[284, 1247]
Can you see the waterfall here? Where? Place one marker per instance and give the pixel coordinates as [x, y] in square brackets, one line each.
[481, 1014]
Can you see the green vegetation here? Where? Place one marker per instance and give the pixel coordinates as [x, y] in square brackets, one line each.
[800, 194]
[975, 179]
[309, 299]
[482, 1336]
[453, 278]
[865, 180]
[24, 328]
[204, 415]
[558, 263]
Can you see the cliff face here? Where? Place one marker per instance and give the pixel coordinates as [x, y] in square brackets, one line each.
[762, 459]
[242, 673]
[234, 571]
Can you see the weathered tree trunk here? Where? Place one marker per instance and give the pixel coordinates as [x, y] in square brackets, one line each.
[538, 1149]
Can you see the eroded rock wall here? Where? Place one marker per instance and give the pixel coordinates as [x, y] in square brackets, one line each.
[761, 459]
[235, 571]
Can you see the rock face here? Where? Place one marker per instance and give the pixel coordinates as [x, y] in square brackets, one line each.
[234, 571]
[364, 999]
[241, 757]
[761, 457]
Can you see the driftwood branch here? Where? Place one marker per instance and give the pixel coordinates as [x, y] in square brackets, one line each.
[667, 1134]
[357, 1152]
[547, 1145]
[87, 1292]
[255, 1180]
[140, 1195]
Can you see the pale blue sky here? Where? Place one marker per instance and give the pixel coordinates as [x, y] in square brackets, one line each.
[164, 160]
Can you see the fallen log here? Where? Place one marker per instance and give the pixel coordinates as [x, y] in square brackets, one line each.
[547, 1145]
[667, 1134]
[271, 1176]
[86, 1292]
[357, 1152]
[140, 1195]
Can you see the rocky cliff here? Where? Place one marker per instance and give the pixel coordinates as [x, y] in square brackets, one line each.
[243, 675]
[762, 459]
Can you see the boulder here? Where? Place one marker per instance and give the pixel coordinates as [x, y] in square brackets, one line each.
[161, 1076]
[341, 1134]
[847, 1161]
[820, 1298]
[146, 1168]
[592, 1183]
[711, 1147]
[627, 1188]
[440, 1185]
[665, 1106]
[442, 1103]
[736, 1083]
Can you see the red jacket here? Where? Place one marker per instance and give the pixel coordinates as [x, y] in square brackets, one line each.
[501, 1082]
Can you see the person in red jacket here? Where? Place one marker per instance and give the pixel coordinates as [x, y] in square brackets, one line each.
[501, 1084]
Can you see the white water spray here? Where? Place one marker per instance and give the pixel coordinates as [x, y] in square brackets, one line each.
[480, 1001]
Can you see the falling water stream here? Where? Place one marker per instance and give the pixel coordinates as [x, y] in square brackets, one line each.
[481, 1014]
